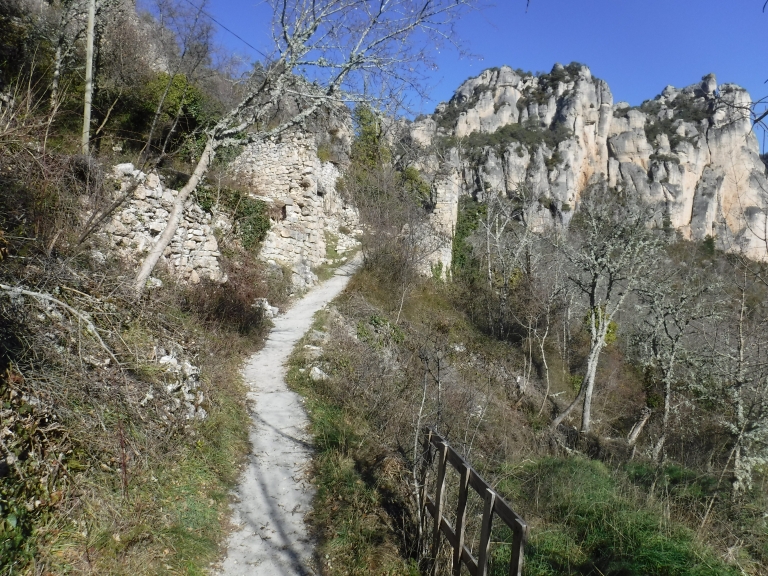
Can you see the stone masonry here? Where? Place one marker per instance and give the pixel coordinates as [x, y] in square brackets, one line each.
[308, 214]
[193, 253]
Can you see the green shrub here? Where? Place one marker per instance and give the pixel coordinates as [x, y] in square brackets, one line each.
[470, 213]
[324, 153]
[527, 134]
[554, 161]
[684, 107]
[448, 118]
[251, 216]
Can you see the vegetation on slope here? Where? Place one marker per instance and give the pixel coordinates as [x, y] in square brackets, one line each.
[104, 467]
[494, 357]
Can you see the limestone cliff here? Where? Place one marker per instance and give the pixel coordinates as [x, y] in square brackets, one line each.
[689, 151]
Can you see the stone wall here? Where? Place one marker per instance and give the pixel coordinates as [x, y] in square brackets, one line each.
[311, 224]
[307, 212]
[193, 253]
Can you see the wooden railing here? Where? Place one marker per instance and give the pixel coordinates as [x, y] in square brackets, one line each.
[436, 448]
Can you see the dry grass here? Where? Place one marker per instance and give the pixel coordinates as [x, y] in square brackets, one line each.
[130, 484]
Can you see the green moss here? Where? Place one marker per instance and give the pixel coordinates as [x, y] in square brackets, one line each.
[251, 216]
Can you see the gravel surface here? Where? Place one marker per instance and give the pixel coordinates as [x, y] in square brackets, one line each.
[271, 537]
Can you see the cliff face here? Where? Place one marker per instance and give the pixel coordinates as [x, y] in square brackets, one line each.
[689, 151]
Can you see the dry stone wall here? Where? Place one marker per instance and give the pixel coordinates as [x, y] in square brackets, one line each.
[193, 253]
[311, 224]
[308, 214]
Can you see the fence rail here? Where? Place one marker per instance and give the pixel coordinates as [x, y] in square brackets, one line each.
[493, 505]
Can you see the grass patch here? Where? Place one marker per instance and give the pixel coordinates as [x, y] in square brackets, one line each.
[353, 488]
[585, 520]
[171, 515]
[334, 258]
[121, 481]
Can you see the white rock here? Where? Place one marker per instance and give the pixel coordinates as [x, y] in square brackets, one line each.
[317, 375]
[126, 169]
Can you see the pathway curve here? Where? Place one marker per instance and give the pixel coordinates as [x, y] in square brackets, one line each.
[271, 537]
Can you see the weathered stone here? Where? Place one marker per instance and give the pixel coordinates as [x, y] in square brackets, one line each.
[145, 215]
[290, 175]
[706, 176]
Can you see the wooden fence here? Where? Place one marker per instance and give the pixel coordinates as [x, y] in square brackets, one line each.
[435, 447]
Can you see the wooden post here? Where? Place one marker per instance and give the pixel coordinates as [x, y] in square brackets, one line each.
[426, 461]
[461, 520]
[485, 533]
[518, 543]
[439, 497]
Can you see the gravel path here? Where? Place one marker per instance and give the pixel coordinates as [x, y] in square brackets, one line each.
[271, 537]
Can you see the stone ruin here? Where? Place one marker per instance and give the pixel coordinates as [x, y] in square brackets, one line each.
[308, 214]
[311, 224]
[193, 253]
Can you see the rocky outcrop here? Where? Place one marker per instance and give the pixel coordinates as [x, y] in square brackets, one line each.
[193, 253]
[690, 152]
[310, 219]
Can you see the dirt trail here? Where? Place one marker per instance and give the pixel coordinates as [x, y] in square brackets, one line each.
[274, 494]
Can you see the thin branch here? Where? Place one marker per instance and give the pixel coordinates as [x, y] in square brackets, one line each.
[79, 315]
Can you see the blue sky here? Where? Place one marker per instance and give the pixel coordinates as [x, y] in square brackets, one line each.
[637, 46]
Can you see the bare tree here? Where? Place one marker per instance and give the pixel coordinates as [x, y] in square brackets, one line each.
[187, 37]
[326, 52]
[90, 28]
[609, 247]
[675, 303]
[64, 24]
[737, 376]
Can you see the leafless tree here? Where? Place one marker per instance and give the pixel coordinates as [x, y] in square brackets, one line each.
[737, 376]
[674, 303]
[63, 23]
[326, 52]
[608, 247]
[186, 37]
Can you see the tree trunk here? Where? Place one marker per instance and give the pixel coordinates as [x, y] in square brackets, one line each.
[659, 447]
[175, 217]
[88, 77]
[57, 62]
[586, 414]
[637, 429]
[587, 387]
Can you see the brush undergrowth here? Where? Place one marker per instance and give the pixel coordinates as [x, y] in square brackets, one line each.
[333, 258]
[354, 484]
[586, 517]
[139, 489]
[103, 470]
